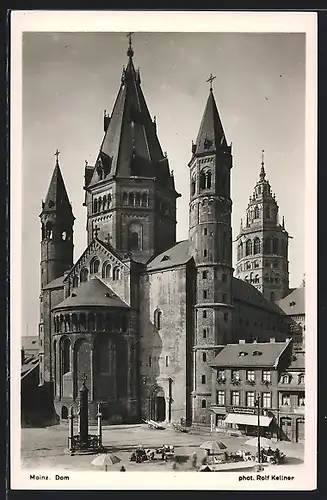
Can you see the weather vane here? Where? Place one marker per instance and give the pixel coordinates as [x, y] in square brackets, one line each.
[57, 153]
[130, 51]
[211, 79]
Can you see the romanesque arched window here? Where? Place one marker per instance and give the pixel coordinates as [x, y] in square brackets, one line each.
[82, 322]
[193, 186]
[256, 246]
[116, 274]
[106, 270]
[65, 350]
[95, 206]
[138, 199]
[158, 319]
[208, 179]
[275, 246]
[75, 281]
[248, 247]
[99, 204]
[84, 274]
[240, 251]
[135, 231]
[144, 201]
[48, 230]
[67, 323]
[74, 322]
[104, 202]
[94, 265]
[202, 180]
[131, 199]
[91, 322]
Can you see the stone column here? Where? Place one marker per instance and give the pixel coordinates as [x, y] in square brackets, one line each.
[83, 417]
[92, 354]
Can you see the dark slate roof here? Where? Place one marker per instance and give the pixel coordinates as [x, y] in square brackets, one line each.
[30, 343]
[174, 256]
[92, 293]
[56, 199]
[241, 290]
[294, 303]
[298, 361]
[231, 356]
[56, 283]
[130, 146]
[211, 135]
[30, 364]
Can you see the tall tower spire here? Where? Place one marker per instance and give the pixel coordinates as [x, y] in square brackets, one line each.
[262, 244]
[210, 243]
[57, 222]
[130, 194]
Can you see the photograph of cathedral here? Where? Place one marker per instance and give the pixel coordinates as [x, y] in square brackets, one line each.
[143, 315]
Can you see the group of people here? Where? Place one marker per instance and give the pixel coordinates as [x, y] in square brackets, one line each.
[142, 455]
[270, 455]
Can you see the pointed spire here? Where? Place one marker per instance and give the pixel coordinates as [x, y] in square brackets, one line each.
[211, 135]
[262, 171]
[57, 198]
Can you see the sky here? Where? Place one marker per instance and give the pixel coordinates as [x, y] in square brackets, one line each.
[69, 79]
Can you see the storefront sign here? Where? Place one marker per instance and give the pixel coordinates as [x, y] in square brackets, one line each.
[238, 409]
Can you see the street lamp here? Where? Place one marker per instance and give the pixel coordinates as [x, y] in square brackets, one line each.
[257, 403]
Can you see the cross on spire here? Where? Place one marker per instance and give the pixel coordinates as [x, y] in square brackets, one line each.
[130, 51]
[96, 230]
[262, 171]
[57, 153]
[211, 79]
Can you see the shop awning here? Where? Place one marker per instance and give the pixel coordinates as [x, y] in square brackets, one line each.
[241, 418]
[219, 411]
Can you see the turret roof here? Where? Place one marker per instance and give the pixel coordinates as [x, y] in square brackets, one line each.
[57, 199]
[211, 135]
[130, 146]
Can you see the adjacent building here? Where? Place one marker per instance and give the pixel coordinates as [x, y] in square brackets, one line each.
[268, 374]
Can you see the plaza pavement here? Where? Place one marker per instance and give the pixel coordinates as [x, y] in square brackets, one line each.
[46, 448]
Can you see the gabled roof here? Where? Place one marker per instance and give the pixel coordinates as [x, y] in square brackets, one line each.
[92, 293]
[298, 361]
[264, 354]
[30, 364]
[211, 135]
[294, 303]
[56, 283]
[130, 146]
[243, 291]
[174, 256]
[56, 199]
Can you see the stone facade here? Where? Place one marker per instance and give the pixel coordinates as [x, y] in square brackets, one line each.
[141, 315]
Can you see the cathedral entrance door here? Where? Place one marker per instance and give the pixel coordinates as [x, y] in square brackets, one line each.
[158, 405]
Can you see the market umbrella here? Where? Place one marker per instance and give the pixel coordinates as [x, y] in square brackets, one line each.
[213, 446]
[264, 442]
[106, 459]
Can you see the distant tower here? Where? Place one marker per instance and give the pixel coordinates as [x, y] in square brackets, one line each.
[130, 191]
[210, 240]
[262, 244]
[57, 222]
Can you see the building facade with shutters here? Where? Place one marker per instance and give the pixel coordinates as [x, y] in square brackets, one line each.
[140, 314]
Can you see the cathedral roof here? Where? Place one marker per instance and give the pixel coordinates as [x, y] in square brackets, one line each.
[92, 293]
[243, 291]
[174, 256]
[265, 354]
[294, 303]
[56, 199]
[211, 135]
[56, 283]
[130, 146]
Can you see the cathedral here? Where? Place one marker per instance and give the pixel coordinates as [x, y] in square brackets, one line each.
[140, 314]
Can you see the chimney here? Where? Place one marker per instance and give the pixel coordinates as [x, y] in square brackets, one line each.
[22, 355]
[272, 340]
[241, 341]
